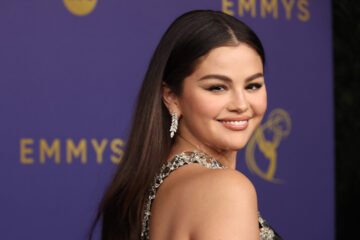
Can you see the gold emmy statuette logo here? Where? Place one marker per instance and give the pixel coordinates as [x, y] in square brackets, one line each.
[80, 7]
[267, 139]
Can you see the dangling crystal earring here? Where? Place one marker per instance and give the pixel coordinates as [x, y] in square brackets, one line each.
[174, 124]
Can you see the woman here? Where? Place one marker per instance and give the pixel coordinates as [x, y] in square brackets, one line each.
[205, 83]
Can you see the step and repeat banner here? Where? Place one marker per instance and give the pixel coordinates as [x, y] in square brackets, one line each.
[69, 74]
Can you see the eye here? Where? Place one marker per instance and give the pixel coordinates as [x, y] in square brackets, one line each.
[216, 88]
[254, 86]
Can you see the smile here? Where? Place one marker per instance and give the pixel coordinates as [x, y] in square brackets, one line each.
[235, 125]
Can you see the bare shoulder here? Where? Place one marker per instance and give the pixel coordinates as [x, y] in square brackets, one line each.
[225, 206]
[226, 181]
[223, 188]
[214, 203]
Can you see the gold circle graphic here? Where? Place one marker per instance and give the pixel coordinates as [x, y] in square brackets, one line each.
[80, 7]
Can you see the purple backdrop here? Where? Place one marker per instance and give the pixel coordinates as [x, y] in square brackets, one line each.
[70, 71]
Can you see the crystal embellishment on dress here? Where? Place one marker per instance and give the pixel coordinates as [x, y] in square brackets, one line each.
[266, 233]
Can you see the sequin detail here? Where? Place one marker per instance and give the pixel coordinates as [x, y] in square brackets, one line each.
[266, 233]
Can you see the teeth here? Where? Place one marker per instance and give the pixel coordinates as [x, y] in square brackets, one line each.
[235, 122]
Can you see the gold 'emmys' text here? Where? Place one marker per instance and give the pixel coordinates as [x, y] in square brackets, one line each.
[275, 9]
[32, 151]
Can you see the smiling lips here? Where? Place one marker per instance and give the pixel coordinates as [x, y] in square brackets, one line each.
[236, 125]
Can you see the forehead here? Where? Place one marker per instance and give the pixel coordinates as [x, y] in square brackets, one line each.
[240, 59]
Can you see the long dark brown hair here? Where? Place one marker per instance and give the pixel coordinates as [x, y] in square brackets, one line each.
[189, 37]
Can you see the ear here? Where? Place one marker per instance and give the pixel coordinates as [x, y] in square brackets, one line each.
[170, 100]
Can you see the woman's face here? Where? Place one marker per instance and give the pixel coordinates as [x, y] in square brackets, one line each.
[224, 99]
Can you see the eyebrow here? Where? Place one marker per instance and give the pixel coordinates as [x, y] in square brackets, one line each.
[227, 79]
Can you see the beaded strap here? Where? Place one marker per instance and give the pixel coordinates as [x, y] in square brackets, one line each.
[266, 233]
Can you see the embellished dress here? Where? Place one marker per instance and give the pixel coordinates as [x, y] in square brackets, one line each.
[182, 159]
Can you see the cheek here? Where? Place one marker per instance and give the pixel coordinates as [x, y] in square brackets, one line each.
[202, 105]
[259, 104]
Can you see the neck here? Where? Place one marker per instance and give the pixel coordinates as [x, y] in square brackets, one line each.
[225, 157]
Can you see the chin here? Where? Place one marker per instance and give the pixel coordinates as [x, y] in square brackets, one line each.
[238, 147]
[234, 146]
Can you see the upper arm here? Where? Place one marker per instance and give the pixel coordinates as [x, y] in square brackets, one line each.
[223, 206]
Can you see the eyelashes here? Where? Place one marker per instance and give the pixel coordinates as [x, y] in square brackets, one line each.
[219, 87]
[254, 86]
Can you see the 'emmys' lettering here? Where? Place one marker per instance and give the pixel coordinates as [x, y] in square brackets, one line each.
[116, 148]
[71, 150]
[267, 7]
[248, 5]
[45, 150]
[304, 14]
[288, 6]
[99, 149]
[275, 9]
[226, 5]
[25, 149]
[84, 151]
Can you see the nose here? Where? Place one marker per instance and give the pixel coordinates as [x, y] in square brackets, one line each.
[238, 102]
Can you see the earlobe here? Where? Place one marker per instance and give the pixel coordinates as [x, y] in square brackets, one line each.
[170, 99]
